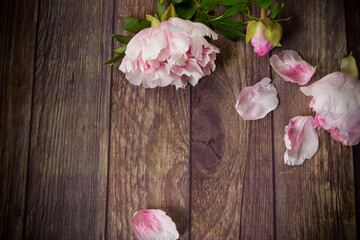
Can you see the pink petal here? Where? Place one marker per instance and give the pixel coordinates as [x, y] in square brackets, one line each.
[290, 66]
[258, 100]
[301, 140]
[336, 100]
[260, 44]
[153, 224]
[193, 28]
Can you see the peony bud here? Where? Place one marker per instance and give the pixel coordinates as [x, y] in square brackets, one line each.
[265, 34]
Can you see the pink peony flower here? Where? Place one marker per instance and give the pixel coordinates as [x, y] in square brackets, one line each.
[173, 53]
[153, 224]
[301, 140]
[257, 101]
[291, 67]
[336, 101]
[264, 34]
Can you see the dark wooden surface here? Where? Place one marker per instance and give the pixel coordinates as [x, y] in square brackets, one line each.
[82, 149]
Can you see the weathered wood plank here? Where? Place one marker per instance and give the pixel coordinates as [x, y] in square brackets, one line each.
[17, 46]
[314, 200]
[352, 11]
[70, 127]
[149, 151]
[231, 158]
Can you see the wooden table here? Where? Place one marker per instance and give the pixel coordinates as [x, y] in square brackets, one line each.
[82, 150]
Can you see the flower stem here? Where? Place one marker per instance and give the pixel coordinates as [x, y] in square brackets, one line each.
[263, 13]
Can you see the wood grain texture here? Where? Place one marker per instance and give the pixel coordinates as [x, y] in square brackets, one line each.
[314, 200]
[149, 159]
[17, 46]
[69, 145]
[352, 11]
[231, 158]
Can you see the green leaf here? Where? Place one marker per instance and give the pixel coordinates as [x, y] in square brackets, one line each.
[250, 30]
[187, 10]
[201, 17]
[227, 30]
[209, 5]
[177, 2]
[122, 38]
[264, 3]
[120, 50]
[169, 13]
[115, 59]
[135, 25]
[231, 23]
[129, 20]
[241, 7]
[276, 10]
[154, 21]
[160, 8]
[348, 66]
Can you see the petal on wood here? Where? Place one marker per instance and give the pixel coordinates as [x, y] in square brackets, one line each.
[258, 100]
[301, 140]
[291, 67]
[153, 224]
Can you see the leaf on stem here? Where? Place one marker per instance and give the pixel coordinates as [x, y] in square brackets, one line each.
[169, 13]
[160, 8]
[120, 50]
[187, 10]
[276, 10]
[228, 28]
[122, 38]
[115, 59]
[264, 3]
[135, 25]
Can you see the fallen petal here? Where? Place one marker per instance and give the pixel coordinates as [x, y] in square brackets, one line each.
[301, 140]
[153, 224]
[291, 67]
[258, 100]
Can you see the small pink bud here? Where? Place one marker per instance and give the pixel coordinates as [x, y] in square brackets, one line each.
[260, 44]
[265, 34]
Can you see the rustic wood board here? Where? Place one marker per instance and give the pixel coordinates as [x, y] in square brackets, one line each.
[149, 152]
[17, 44]
[231, 158]
[314, 200]
[93, 149]
[66, 195]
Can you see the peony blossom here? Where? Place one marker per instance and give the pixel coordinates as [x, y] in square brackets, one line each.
[264, 35]
[291, 67]
[301, 140]
[257, 101]
[174, 53]
[336, 101]
[153, 224]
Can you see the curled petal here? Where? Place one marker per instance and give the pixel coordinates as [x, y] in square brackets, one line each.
[301, 140]
[153, 224]
[336, 101]
[193, 28]
[291, 67]
[258, 100]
